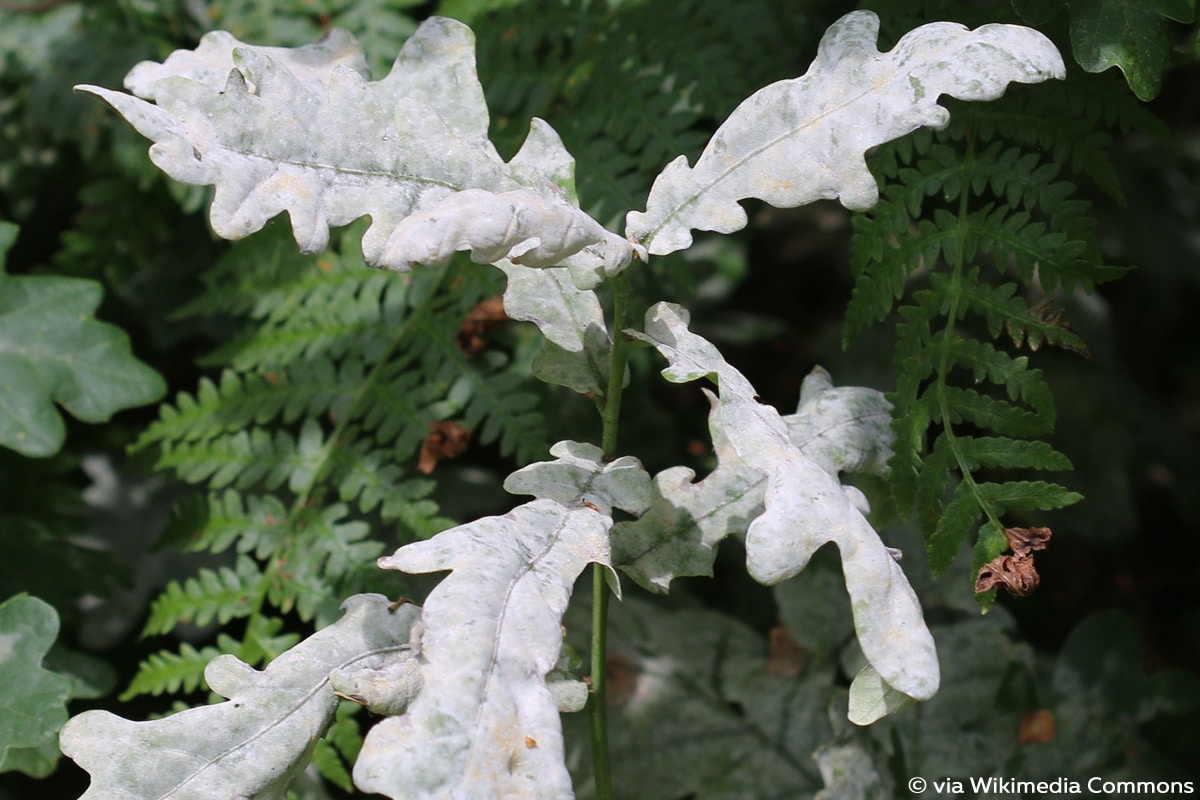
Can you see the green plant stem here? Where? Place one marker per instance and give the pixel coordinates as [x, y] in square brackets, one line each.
[949, 334]
[597, 703]
[611, 412]
[610, 415]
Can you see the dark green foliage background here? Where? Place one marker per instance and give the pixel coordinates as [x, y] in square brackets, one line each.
[252, 503]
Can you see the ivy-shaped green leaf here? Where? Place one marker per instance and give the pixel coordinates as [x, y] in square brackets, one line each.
[1132, 35]
[34, 704]
[53, 351]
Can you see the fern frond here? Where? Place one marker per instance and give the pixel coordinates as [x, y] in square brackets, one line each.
[886, 254]
[325, 317]
[499, 409]
[339, 748]
[301, 587]
[986, 412]
[222, 595]
[488, 392]
[218, 521]
[261, 641]
[1017, 239]
[1026, 496]
[332, 383]
[979, 452]
[372, 480]
[394, 403]
[1024, 324]
[1068, 121]
[629, 88]
[247, 458]
[961, 208]
[232, 403]
[339, 545]
[172, 673]
[1020, 382]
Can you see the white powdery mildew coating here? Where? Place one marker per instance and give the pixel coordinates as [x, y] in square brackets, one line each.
[803, 139]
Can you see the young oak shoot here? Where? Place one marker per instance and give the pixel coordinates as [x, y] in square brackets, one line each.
[307, 132]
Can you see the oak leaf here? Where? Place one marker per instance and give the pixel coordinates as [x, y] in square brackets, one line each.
[804, 139]
[253, 744]
[491, 636]
[307, 132]
[805, 506]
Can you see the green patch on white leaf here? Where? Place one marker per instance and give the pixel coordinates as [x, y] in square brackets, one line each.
[678, 535]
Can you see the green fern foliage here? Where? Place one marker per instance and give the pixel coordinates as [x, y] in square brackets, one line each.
[167, 672]
[335, 753]
[380, 25]
[977, 238]
[629, 86]
[219, 595]
[304, 443]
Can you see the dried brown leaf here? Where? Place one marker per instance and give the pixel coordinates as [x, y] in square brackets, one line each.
[446, 440]
[786, 657]
[1024, 541]
[487, 315]
[1014, 571]
[1037, 727]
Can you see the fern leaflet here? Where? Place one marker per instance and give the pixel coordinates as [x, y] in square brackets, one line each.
[171, 672]
[213, 594]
